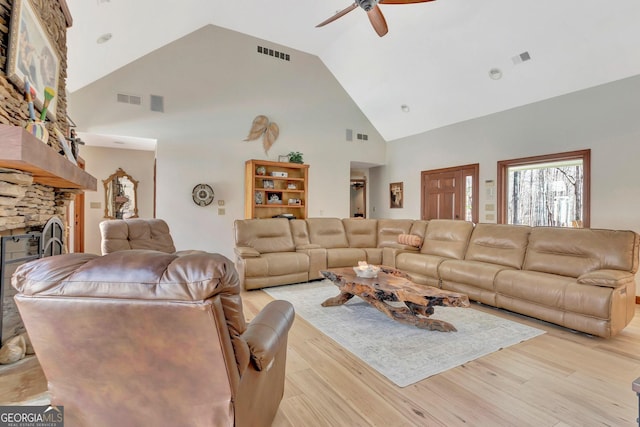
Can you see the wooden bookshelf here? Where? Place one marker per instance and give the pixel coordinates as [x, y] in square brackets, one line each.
[268, 195]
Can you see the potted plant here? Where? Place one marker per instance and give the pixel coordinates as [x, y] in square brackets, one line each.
[295, 157]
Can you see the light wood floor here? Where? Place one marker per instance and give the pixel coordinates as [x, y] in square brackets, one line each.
[561, 378]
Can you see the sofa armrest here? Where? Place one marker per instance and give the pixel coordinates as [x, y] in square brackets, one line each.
[246, 252]
[606, 278]
[268, 331]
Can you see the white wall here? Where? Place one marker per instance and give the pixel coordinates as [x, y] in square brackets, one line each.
[214, 83]
[101, 163]
[605, 119]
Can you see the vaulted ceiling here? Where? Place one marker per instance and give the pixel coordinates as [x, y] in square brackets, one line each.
[435, 60]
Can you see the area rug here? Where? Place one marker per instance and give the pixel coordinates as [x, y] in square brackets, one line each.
[402, 353]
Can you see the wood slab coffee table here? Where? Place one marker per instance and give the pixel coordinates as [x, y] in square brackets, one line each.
[394, 294]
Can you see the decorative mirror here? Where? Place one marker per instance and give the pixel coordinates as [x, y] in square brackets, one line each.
[120, 196]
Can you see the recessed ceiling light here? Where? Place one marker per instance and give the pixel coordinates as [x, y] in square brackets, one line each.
[404, 108]
[495, 73]
[104, 38]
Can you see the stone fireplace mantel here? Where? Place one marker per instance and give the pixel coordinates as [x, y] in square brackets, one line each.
[21, 150]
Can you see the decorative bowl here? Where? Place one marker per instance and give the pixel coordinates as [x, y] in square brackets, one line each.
[369, 272]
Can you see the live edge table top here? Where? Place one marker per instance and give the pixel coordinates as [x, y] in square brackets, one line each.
[390, 288]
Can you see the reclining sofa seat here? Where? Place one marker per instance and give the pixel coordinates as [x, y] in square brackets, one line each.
[135, 233]
[443, 239]
[145, 329]
[266, 255]
[583, 279]
[492, 248]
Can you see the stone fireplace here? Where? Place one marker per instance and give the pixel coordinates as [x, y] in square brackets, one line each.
[37, 182]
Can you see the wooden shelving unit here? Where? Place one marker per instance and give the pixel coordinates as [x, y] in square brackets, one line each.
[268, 195]
[23, 151]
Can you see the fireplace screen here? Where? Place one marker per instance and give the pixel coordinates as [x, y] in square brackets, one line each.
[14, 251]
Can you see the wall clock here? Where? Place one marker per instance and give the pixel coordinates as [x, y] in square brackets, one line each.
[202, 194]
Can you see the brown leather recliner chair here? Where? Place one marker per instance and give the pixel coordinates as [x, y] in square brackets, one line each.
[145, 338]
[135, 233]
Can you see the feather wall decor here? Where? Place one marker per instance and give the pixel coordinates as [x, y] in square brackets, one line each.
[268, 130]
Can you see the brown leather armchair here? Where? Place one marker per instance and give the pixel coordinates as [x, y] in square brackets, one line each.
[140, 338]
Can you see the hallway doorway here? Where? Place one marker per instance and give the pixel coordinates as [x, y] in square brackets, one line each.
[358, 198]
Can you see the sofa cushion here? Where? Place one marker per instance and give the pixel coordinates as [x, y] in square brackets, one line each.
[277, 264]
[423, 264]
[136, 233]
[345, 257]
[361, 233]
[572, 252]
[388, 230]
[447, 238]
[478, 274]
[299, 232]
[327, 232]
[264, 235]
[498, 244]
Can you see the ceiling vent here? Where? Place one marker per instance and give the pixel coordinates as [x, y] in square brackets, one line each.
[129, 99]
[523, 57]
[157, 103]
[275, 53]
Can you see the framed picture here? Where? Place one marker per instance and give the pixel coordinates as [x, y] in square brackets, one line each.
[283, 159]
[395, 194]
[31, 55]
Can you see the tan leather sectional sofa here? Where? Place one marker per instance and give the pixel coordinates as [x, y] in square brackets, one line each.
[583, 279]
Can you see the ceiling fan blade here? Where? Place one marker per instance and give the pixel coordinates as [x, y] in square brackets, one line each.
[402, 1]
[338, 15]
[377, 20]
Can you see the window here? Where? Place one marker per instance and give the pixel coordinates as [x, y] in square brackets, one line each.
[550, 190]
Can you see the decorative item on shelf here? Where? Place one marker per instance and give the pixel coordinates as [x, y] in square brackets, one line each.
[283, 159]
[259, 198]
[202, 195]
[366, 270]
[295, 157]
[261, 170]
[66, 149]
[49, 93]
[268, 130]
[274, 199]
[33, 126]
[292, 186]
[267, 183]
[295, 202]
[280, 174]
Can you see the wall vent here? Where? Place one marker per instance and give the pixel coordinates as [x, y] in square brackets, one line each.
[129, 99]
[349, 134]
[157, 103]
[275, 53]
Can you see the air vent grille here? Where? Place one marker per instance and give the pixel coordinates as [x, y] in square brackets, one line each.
[157, 103]
[129, 99]
[275, 53]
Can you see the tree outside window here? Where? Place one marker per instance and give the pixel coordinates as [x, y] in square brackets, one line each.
[550, 190]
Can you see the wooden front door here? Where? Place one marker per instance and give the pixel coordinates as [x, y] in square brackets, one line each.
[450, 193]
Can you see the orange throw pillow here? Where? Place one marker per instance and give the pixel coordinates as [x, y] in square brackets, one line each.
[410, 240]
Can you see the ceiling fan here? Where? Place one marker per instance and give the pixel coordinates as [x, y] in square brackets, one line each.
[373, 11]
